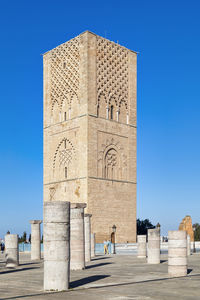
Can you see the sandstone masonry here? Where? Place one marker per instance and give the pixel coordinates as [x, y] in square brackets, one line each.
[90, 131]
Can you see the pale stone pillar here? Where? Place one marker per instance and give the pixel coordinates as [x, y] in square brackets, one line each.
[93, 243]
[117, 115]
[153, 246]
[177, 253]
[107, 112]
[12, 251]
[87, 225]
[142, 246]
[188, 245]
[192, 247]
[56, 245]
[127, 119]
[77, 238]
[35, 239]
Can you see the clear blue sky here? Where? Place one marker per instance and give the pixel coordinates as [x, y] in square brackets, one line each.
[167, 36]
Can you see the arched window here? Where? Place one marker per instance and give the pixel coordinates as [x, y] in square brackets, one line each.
[111, 164]
[111, 112]
[65, 107]
[101, 107]
[123, 112]
[55, 114]
[112, 109]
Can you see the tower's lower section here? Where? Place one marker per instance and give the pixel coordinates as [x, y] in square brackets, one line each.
[112, 203]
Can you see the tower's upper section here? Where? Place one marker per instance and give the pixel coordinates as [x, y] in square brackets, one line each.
[90, 75]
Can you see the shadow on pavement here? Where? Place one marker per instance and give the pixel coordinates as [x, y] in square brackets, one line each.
[99, 258]
[98, 265]
[91, 279]
[17, 270]
[31, 263]
[86, 280]
[145, 281]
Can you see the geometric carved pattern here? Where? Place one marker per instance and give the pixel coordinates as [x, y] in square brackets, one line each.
[112, 72]
[64, 74]
[111, 158]
[52, 192]
[65, 157]
[111, 164]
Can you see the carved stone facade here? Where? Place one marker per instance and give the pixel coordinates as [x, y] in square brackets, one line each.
[90, 131]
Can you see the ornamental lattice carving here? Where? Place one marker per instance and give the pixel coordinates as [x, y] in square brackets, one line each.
[112, 73]
[52, 192]
[66, 152]
[64, 73]
[111, 158]
[65, 157]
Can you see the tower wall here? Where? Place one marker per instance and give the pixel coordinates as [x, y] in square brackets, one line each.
[90, 131]
[65, 122]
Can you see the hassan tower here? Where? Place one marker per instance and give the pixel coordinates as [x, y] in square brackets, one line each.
[90, 94]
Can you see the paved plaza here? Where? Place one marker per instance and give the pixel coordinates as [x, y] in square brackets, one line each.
[117, 277]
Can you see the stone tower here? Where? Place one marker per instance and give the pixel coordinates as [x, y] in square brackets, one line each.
[90, 131]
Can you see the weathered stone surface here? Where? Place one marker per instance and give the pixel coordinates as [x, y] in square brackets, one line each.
[35, 239]
[56, 245]
[93, 243]
[153, 254]
[142, 246]
[177, 253]
[90, 131]
[186, 225]
[77, 236]
[12, 252]
[188, 245]
[87, 225]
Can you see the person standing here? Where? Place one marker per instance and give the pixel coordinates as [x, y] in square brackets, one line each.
[105, 247]
[2, 247]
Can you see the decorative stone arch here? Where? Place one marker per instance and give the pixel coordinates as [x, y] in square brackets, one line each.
[112, 153]
[123, 111]
[112, 105]
[55, 112]
[63, 160]
[101, 106]
[111, 162]
[112, 98]
[65, 107]
[73, 105]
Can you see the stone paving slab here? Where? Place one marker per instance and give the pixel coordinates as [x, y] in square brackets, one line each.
[120, 277]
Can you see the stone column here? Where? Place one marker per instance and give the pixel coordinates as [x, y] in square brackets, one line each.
[77, 238]
[93, 243]
[192, 247]
[35, 239]
[153, 246]
[188, 245]
[56, 245]
[142, 246]
[177, 253]
[87, 226]
[12, 251]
